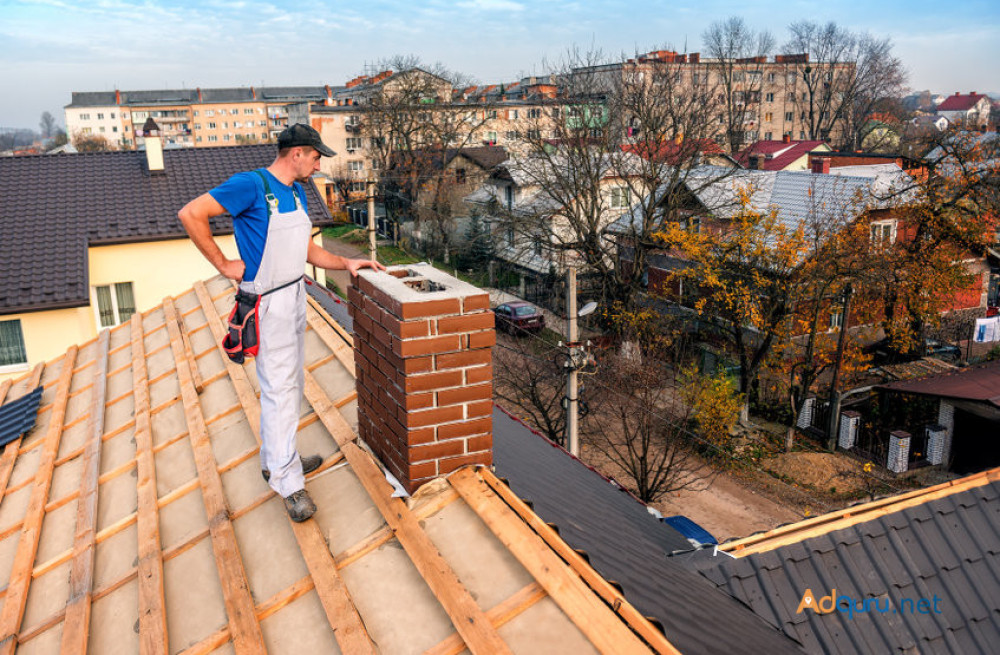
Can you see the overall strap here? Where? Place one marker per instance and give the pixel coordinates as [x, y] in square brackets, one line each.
[272, 201]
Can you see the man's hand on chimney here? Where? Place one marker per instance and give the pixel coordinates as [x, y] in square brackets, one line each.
[354, 265]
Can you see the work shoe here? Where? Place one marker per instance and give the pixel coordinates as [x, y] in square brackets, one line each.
[299, 505]
[309, 464]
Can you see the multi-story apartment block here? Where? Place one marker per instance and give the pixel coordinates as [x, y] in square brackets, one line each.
[189, 117]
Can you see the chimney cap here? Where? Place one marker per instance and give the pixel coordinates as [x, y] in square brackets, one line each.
[150, 128]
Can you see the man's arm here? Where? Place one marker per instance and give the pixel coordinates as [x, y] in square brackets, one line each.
[194, 216]
[317, 256]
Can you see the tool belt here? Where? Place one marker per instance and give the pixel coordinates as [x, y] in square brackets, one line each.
[243, 338]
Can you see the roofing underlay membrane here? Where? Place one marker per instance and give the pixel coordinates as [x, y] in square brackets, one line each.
[134, 519]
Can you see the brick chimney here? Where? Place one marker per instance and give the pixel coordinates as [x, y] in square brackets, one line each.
[422, 348]
[821, 165]
[786, 138]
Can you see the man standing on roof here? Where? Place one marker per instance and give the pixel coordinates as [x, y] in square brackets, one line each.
[272, 230]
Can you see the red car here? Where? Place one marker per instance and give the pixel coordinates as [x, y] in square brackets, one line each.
[518, 316]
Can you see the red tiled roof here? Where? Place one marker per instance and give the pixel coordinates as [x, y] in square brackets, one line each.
[980, 383]
[671, 152]
[960, 102]
[782, 154]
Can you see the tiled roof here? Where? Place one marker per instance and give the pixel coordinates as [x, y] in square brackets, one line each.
[778, 154]
[208, 95]
[797, 196]
[940, 543]
[149, 519]
[55, 206]
[627, 544]
[960, 102]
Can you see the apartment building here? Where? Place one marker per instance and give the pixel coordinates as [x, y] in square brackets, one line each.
[189, 117]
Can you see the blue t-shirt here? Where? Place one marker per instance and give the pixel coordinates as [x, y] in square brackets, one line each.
[242, 196]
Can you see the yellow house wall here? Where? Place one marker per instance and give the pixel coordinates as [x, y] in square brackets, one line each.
[156, 270]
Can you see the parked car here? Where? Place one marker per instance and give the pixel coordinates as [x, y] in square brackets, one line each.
[518, 316]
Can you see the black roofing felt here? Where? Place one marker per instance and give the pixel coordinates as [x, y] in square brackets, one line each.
[52, 207]
[18, 416]
[947, 548]
[628, 545]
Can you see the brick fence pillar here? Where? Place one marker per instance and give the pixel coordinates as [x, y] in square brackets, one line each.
[423, 353]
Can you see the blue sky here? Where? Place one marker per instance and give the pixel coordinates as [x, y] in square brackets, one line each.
[53, 47]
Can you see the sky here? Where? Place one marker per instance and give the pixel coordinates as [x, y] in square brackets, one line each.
[50, 48]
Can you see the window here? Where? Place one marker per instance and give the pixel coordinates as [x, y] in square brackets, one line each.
[355, 165]
[195, 113]
[596, 133]
[492, 113]
[769, 97]
[84, 117]
[789, 116]
[802, 135]
[508, 192]
[112, 115]
[768, 136]
[459, 176]
[696, 78]
[354, 143]
[115, 303]
[225, 125]
[210, 112]
[237, 124]
[883, 233]
[836, 319]
[534, 113]
[491, 137]
[211, 125]
[248, 111]
[12, 352]
[100, 116]
[770, 78]
[87, 130]
[234, 111]
[534, 134]
[692, 224]
[620, 197]
[101, 128]
[512, 135]
[212, 138]
[512, 114]
[510, 236]
[791, 78]
[114, 128]
[197, 139]
[768, 117]
[226, 137]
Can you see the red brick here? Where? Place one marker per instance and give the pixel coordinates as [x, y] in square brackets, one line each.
[361, 320]
[483, 339]
[467, 323]
[365, 286]
[465, 428]
[461, 359]
[429, 346]
[464, 394]
[437, 450]
[354, 297]
[482, 442]
[473, 303]
[441, 307]
[481, 408]
[447, 465]
[406, 329]
[422, 470]
[432, 381]
[436, 415]
[419, 436]
[418, 401]
[478, 374]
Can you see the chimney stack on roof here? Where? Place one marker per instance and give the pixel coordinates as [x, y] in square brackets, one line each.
[118, 97]
[154, 146]
[821, 165]
[786, 138]
[423, 352]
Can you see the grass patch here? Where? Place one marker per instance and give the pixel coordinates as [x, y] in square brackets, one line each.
[339, 231]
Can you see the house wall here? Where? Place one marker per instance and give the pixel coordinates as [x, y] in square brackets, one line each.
[48, 334]
[108, 122]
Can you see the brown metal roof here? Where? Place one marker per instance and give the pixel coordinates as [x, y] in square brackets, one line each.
[978, 383]
[55, 206]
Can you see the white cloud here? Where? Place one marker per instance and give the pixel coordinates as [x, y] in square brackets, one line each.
[491, 5]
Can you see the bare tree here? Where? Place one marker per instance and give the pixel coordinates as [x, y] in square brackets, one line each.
[48, 124]
[91, 143]
[738, 52]
[527, 378]
[843, 76]
[415, 120]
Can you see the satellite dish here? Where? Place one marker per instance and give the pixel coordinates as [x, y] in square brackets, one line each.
[587, 309]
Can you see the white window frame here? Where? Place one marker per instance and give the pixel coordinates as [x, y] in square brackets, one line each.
[879, 227]
[114, 304]
[621, 197]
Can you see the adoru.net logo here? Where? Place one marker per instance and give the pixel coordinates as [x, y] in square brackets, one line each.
[845, 604]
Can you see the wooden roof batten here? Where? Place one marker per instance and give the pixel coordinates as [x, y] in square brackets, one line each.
[175, 381]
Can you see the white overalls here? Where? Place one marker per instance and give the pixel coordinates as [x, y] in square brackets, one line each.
[281, 357]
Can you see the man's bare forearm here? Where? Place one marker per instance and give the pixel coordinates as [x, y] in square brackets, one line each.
[195, 216]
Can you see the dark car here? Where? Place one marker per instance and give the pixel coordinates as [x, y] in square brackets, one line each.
[519, 316]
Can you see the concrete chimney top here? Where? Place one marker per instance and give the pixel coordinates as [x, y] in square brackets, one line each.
[154, 146]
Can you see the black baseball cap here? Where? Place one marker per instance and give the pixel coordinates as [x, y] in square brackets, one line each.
[303, 135]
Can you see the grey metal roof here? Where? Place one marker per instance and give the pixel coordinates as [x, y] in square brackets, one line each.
[947, 548]
[65, 202]
[628, 545]
[92, 99]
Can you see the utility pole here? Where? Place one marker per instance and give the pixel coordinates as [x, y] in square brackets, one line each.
[572, 438]
[831, 438]
[371, 219]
